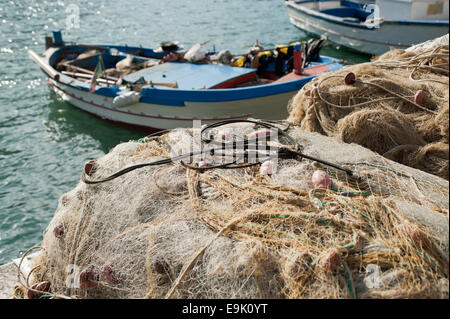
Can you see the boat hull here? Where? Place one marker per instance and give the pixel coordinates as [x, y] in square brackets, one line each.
[151, 117]
[375, 41]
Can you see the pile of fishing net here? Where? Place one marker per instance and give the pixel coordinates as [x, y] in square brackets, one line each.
[396, 105]
[194, 229]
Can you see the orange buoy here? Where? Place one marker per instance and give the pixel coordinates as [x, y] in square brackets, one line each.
[268, 168]
[330, 262]
[43, 286]
[90, 168]
[321, 179]
[58, 231]
[109, 273]
[203, 164]
[32, 294]
[419, 97]
[350, 78]
[89, 277]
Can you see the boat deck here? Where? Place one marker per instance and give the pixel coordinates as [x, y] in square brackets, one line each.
[192, 76]
[313, 70]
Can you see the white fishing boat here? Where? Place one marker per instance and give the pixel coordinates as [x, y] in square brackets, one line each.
[151, 90]
[372, 27]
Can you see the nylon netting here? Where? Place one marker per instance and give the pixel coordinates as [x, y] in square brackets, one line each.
[398, 106]
[171, 231]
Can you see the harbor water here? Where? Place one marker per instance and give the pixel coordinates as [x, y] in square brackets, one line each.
[45, 142]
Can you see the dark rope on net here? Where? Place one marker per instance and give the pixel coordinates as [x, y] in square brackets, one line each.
[250, 147]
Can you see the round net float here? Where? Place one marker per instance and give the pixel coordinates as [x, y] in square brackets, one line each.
[321, 179]
[43, 286]
[203, 164]
[350, 78]
[89, 277]
[109, 273]
[412, 233]
[32, 294]
[268, 168]
[330, 261]
[58, 231]
[90, 168]
[419, 97]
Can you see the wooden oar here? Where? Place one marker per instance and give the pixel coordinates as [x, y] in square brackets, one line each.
[88, 77]
[171, 85]
[82, 59]
[90, 72]
[101, 80]
[120, 53]
[78, 68]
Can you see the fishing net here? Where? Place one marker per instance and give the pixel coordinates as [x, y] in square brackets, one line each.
[397, 106]
[170, 231]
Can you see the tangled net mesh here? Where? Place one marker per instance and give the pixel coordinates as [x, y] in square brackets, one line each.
[383, 110]
[174, 232]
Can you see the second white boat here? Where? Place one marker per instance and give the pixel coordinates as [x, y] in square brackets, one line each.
[372, 27]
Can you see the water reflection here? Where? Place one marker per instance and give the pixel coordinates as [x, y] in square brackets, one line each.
[66, 122]
[347, 55]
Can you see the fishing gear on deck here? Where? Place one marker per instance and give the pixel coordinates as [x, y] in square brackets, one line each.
[249, 147]
[312, 50]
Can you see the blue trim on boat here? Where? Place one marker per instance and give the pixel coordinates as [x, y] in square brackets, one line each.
[437, 23]
[177, 97]
[109, 91]
[150, 94]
